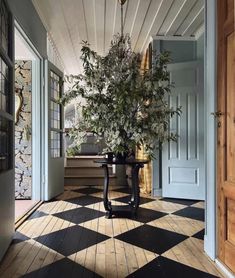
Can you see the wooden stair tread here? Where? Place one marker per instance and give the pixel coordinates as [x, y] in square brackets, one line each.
[85, 157]
[84, 167]
[88, 177]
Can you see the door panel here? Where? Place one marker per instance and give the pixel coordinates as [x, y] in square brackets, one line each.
[7, 175]
[54, 132]
[183, 161]
[226, 133]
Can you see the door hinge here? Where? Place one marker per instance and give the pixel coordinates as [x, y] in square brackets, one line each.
[217, 114]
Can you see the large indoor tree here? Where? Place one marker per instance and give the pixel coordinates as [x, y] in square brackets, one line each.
[125, 105]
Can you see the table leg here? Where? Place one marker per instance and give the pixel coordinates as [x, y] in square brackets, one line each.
[107, 203]
[135, 197]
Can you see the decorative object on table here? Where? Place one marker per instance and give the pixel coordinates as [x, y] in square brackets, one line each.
[132, 207]
[18, 103]
[125, 105]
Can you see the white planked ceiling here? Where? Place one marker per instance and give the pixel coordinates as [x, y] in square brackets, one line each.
[68, 22]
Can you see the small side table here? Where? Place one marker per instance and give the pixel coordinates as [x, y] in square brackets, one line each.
[135, 164]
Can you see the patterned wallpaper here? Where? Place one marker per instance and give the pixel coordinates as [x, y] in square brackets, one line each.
[23, 140]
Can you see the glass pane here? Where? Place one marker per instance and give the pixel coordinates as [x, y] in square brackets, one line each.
[55, 115]
[4, 144]
[4, 26]
[55, 144]
[55, 86]
[4, 88]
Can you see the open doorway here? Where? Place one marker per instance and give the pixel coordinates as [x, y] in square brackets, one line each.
[27, 126]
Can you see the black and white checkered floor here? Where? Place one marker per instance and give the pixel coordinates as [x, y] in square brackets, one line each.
[70, 237]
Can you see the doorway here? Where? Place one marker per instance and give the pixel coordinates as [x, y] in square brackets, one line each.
[27, 125]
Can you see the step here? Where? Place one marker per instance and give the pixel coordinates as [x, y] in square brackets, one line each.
[84, 180]
[83, 170]
[83, 161]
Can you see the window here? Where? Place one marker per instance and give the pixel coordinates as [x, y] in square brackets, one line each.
[55, 110]
[4, 144]
[6, 91]
[4, 26]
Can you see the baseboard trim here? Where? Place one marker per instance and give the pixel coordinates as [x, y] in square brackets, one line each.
[227, 272]
[157, 192]
[209, 248]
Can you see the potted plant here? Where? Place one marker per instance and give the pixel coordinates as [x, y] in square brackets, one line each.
[125, 105]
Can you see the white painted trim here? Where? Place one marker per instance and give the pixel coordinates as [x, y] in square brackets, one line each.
[36, 131]
[173, 38]
[227, 272]
[25, 37]
[157, 192]
[199, 32]
[36, 115]
[50, 41]
[45, 131]
[210, 128]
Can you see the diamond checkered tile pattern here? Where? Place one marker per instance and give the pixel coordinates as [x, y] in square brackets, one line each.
[76, 239]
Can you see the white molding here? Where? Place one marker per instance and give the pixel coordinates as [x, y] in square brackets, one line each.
[45, 133]
[224, 269]
[157, 192]
[36, 116]
[173, 38]
[200, 31]
[210, 129]
[27, 40]
[209, 247]
[50, 40]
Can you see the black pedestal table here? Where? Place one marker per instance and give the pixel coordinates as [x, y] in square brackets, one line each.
[131, 208]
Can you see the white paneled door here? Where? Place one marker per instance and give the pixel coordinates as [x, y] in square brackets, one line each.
[54, 123]
[183, 162]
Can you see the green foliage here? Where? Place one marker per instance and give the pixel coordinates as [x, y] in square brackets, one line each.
[72, 151]
[125, 105]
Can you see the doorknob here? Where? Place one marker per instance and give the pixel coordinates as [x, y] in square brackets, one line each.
[217, 114]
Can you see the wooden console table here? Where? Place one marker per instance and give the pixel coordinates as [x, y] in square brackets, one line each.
[135, 164]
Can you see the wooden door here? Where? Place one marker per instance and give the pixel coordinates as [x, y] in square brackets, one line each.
[226, 133]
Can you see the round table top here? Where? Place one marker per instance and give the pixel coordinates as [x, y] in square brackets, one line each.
[122, 162]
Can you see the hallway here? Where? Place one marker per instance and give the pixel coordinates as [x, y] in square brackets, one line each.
[70, 237]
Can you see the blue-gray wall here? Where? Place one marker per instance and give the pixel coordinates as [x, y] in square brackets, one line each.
[27, 17]
[200, 48]
[181, 51]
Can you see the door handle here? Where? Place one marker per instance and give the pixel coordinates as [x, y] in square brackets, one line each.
[217, 114]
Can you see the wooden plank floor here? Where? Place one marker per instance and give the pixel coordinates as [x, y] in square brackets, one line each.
[70, 237]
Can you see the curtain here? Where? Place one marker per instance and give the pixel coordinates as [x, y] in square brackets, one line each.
[145, 175]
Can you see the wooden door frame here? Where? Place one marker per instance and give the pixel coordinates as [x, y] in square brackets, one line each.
[225, 27]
